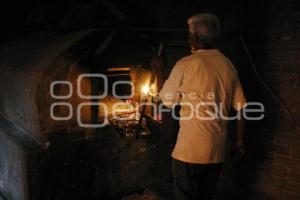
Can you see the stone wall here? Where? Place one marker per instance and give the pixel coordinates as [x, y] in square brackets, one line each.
[278, 175]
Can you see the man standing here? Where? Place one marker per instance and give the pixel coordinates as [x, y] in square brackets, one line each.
[206, 85]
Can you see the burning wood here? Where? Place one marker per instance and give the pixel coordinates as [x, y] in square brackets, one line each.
[125, 114]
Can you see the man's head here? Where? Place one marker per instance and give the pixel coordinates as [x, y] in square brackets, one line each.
[204, 31]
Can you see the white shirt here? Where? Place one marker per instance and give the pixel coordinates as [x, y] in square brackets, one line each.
[206, 85]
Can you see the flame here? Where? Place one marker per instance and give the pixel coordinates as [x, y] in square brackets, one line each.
[145, 89]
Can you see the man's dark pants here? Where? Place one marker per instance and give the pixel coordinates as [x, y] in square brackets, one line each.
[195, 181]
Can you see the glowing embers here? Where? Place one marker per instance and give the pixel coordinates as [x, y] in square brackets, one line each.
[130, 125]
[126, 112]
[126, 119]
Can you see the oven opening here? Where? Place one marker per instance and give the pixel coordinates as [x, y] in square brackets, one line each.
[131, 99]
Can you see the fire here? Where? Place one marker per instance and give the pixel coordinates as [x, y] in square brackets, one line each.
[145, 89]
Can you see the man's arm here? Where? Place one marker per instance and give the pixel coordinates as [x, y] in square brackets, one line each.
[240, 126]
[169, 93]
[239, 103]
[238, 144]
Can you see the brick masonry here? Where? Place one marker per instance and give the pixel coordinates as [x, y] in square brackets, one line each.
[278, 174]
